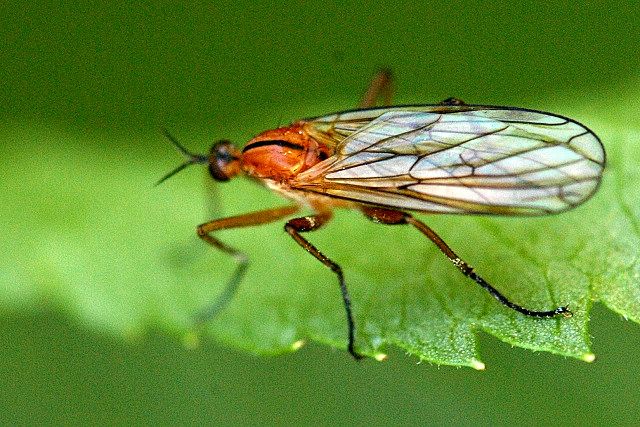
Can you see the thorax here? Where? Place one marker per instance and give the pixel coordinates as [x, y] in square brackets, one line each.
[281, 154]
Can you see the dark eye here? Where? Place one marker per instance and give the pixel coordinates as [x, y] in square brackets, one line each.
[217, 173]
[224, 161]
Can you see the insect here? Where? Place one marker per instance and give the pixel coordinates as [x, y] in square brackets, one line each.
[449, 158]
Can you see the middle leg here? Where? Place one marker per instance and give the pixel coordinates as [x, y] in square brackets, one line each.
[310, 223]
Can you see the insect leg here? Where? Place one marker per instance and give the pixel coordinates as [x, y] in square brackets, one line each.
[204, 232]
[452, 101]
[310, 223]
[392, 217]
[381, 86]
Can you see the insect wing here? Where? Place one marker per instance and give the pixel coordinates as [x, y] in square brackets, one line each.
[457, 159]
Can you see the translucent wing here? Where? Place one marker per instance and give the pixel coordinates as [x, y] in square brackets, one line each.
[456, 159]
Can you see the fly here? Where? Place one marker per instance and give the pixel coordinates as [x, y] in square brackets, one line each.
[449, 158]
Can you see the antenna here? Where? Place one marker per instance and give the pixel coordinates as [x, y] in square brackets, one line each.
[192, 158]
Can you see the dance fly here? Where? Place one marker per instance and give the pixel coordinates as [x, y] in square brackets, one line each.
[446, 158]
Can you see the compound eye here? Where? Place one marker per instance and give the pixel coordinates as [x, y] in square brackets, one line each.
[224, 161]
[217, 173]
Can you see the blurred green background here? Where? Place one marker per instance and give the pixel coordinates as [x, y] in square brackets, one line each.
[103, 77]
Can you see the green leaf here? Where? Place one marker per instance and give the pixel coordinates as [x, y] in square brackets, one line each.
[86, 231]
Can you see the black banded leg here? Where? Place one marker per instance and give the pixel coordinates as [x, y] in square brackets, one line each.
[204, 232]
[310, 223]
[452, 101]
[392, 217]
[381, 86]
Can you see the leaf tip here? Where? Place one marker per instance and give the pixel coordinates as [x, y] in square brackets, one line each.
[588, 357]
[477, 365]
[380, 357]
[298, 345]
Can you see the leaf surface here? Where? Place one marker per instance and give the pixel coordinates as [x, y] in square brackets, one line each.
[86, 231]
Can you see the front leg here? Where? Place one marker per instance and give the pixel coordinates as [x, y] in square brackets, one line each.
[310, 223]
[204, 232]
